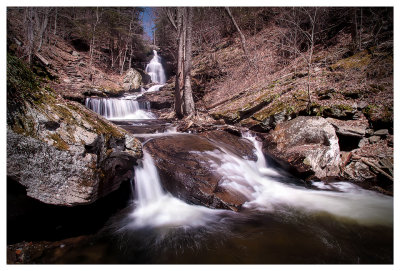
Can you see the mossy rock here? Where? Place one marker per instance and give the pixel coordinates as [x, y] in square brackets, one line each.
[380, 116]
[57, 149]
[337, 111]
[360, 61]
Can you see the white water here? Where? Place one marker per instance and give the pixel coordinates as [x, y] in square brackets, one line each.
[119, 108]
[156, 70]
[257, 181]
[265, 192]
[159, 209]
[127, 108]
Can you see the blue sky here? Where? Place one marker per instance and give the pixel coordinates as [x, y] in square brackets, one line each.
[148, 23]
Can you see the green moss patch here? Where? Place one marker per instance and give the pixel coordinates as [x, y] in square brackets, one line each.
[360, 60]
[59, 143]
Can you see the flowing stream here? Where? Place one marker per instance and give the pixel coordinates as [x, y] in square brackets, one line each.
[281, 222]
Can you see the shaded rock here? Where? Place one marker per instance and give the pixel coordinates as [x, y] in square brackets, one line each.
[306, 145]
[132, 80]
[374, 139]
[359, 172]
[43, 252]
[185, 171]
[361, 105]
[382, 132]
[363, 142]
[345, 128]
[369, 132]
[350, 133]
[380, 116]
[159, 99]
[345, 158]
[146, 78]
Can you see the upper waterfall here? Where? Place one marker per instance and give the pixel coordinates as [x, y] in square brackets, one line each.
[156, 70]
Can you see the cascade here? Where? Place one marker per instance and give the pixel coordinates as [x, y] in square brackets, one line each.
[117, 108]
[158, 209]
[267, 192]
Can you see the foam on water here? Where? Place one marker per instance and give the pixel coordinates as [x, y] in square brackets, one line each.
[259, 183]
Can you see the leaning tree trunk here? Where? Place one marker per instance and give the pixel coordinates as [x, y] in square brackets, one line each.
[188, 95]
[179, 74]
[242, 38]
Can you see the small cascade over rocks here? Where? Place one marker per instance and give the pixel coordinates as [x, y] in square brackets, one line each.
[119, 108]
[158, 209]
[266, 188]
[268, 191]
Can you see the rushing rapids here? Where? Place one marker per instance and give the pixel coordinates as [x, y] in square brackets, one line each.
[265, 188]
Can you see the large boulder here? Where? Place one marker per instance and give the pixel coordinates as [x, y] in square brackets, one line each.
[185, 168]
[132, 80]
[306, 145]
[60, 151]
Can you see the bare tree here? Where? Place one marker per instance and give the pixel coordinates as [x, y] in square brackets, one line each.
[302, 29]
[92, 42]
[43, 25]
[29, 33]
[189, 108]
[242, 37]
[181, 20]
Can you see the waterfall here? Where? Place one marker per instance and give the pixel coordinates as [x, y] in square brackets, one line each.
[158, 209]
[118, 108]
[155, 69]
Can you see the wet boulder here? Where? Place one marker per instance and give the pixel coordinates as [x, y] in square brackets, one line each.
[183, 162]
[308, 146]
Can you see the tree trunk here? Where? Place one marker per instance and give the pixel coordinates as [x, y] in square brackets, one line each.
[29, 33]
[124, 59]
[179, 73]
[93, 36]
[130, 56]
[313, 22]
[188, 96]
[242, 38]
[43, 28]
[55, 22]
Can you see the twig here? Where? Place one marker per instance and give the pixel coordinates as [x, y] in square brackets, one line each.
[377, 168]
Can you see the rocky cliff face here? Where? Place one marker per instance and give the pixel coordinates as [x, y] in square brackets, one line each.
[63, 153]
